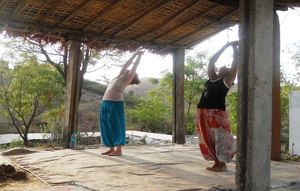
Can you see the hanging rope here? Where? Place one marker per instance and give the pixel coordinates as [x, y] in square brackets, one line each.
[285, 17]
[227, 35]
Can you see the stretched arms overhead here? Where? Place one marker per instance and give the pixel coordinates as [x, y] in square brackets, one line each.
[211, 65]
[136, 64]
[230, 77]
[126, 65]
[129, 74]
[230, 73]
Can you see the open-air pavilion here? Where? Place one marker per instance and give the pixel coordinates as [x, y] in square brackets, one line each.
[170, 27]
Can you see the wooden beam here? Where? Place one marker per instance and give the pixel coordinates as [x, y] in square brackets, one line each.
[103, 14]
[211, 35]
[89, 35]
[200, 15]
[73, 90]
[31, 25]
[17, 8]
[70, 15]
[3, 28]
[219, 21]
[231, 3]
[75, 12]
[171, 20]
[2, 4]
[55, 5]
[178, 130]
[276, 104]
[123, 21]
[143, 16]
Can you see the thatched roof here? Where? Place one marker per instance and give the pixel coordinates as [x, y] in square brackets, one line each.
[156, 25]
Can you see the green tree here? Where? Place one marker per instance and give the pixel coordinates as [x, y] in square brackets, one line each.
[131, 100]
[57, 54]
[231, 100]
[288, 83]
[296, 61]
[195, 77]
[27, 91]
[150, 116]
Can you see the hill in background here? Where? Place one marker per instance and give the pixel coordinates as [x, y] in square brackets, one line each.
[90, 101]
[141, 89]
[95, 89]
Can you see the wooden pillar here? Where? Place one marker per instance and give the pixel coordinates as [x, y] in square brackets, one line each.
[178, 97]
[255, 73]
[73, 88]
[276, 111]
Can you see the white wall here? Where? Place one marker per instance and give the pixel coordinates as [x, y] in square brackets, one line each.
[294, 131]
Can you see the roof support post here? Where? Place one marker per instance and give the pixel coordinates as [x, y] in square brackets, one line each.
[276, 111]
[73, 89]
[178, 129]
[255, 74]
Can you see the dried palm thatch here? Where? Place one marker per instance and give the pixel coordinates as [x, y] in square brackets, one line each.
[156, 25]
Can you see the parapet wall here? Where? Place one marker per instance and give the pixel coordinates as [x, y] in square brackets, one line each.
[294, 131]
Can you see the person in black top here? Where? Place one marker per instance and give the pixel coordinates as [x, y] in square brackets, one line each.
[216, 141]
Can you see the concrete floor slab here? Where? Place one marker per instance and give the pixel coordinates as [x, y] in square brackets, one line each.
[163, 166]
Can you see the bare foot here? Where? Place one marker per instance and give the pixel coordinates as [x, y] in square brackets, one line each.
[115, 153]
[221, 168]
[211, 168]
[108, 152]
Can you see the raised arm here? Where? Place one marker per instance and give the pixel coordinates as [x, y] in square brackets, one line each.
[211, 71]
[136, 63]
[127, 64]
[233, 69]
[132, 72]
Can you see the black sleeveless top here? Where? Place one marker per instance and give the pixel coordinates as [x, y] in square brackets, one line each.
[213, 96]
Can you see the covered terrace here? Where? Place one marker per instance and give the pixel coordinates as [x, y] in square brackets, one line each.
[170, 27]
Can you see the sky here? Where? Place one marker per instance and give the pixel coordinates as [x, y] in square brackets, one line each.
[152, 65]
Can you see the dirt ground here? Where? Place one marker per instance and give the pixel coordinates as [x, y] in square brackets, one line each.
[30, 183]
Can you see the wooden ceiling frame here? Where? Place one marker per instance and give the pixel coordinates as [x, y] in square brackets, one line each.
[112, 23]
[200, 15]
[103, 14]
[170, 21]
[143, 16]
[220, 21]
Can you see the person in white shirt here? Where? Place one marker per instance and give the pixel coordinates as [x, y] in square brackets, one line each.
[112, 117]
